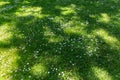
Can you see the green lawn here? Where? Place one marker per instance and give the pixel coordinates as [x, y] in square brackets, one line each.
[59, 39]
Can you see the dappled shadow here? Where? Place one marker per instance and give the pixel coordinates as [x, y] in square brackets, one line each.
[63, 39]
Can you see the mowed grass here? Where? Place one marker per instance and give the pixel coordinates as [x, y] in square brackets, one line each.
[59, 40]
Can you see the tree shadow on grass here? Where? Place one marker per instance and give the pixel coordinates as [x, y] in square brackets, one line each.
[72, 55]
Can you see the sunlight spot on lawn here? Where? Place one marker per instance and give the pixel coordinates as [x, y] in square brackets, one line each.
[104, 18]
[114, 42]
[8, 53]
[27, 10]
[74, 27]
[67, 10]
[75, 30]
[69, 75]
[4, 33]
[92, 16]
[8, 62]
[3, 3]
[39, 70]
[55, 39]
[101, 73]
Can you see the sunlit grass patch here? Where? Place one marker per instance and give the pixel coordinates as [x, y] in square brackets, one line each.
[7, 31]
[5, 34]
[101, 74]
[28, 10]
[67, 10]
[74, 30]
[104, 17]
[112, 41]
[39, 70]
[3, 3]
[74, 27]
[55, 39]
[8, 59]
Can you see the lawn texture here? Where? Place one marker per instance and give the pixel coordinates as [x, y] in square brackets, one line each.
[59, 39]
